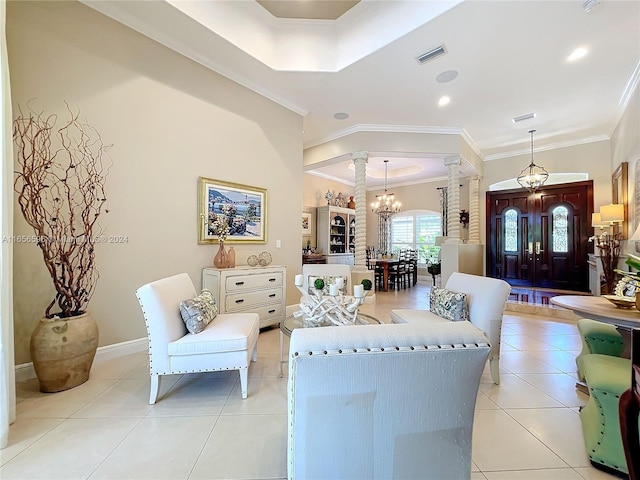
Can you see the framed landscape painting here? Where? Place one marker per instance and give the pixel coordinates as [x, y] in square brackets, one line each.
[237, 213]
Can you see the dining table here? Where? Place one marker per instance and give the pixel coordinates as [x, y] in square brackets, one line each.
[386, 264]
[602, 310]
[625, 319]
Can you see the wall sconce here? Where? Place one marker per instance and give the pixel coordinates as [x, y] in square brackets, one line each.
[464, 218]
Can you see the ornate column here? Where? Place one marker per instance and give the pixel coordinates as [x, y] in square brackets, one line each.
[453, 193]
[474, 210]
[360, 163]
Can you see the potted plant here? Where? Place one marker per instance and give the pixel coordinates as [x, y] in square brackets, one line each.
[60, 186]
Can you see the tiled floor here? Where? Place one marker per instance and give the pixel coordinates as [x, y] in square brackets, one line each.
[526, 428]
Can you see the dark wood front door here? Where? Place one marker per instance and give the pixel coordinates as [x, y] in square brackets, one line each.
[540, 239]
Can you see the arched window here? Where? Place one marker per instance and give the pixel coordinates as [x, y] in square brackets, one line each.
[560, 229]
[511, 230]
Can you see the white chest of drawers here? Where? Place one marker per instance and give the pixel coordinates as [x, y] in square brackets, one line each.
[247, 289]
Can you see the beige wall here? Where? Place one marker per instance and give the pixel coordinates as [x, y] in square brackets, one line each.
[625, 147]
[591, 158]
[170, 120]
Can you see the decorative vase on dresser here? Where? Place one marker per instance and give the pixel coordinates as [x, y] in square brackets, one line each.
[246, 289]
[221, 260]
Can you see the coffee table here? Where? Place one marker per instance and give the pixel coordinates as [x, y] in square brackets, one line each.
[291, 323]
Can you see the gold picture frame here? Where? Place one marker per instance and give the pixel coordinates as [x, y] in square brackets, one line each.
[243, 207]
[619, 194]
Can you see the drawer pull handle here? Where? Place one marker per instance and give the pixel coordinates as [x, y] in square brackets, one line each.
[272, 279]
[239, 283]
[272, 311]
[240, 301]
[272, 295]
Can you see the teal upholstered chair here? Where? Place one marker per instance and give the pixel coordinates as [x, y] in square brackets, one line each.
[600, 338]
[607, 378]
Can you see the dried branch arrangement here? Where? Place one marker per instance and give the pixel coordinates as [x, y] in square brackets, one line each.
[61, 194]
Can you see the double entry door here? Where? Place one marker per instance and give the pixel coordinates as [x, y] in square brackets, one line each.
[540, 239]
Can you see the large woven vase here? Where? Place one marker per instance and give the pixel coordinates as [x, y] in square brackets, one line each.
[63, 350]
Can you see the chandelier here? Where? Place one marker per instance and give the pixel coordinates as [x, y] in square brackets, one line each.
[533, 176]
[385, 204]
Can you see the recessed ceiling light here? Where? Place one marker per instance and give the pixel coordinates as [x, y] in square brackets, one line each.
[448, 76]
[577, 53]
[444, 100]
[341, 116]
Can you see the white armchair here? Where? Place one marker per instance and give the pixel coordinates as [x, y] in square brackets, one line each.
[229, 342]
[383, 401]
[486, 298]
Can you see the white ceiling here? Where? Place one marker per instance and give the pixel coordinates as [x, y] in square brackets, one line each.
[510, 57]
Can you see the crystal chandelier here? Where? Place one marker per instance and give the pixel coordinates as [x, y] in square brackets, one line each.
[385, 204]
[532, 177]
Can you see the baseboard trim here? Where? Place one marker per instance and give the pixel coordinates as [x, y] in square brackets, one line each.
[25, 371]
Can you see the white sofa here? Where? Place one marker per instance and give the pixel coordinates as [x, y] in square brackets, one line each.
[486, 298]
[383, 401]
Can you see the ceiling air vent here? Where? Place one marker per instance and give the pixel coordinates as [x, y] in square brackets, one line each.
[431, 54]
[522, 118]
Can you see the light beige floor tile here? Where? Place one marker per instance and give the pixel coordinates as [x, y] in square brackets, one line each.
[559, 386]
[558, 428]
[525, 328]
[23, 433]
[477, 476]
[483, 402]
[266, 395]
[244, 446]
[523, 362]
[514, 392]
[72, 450]
[118, 367]
[526, 343]
[541, 474]
[560, 359]
[592, 473]
[501, 443]
[269, 341]
[267, 366]
[126, 398]
[195, 395]
[35, 404]
[171, 448]
[564, 342]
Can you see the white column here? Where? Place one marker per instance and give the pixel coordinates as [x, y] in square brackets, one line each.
[360, 163]
[453, 194]
[474, 210]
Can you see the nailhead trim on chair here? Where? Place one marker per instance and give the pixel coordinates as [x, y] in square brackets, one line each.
[593, 451]
[146, 324]
[391, 349]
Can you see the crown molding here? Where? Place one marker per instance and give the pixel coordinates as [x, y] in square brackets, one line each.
[551, 146]
[372, 127]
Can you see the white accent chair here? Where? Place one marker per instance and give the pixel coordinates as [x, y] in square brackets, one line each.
[486, 297]
[229, 342]
[383, 401]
